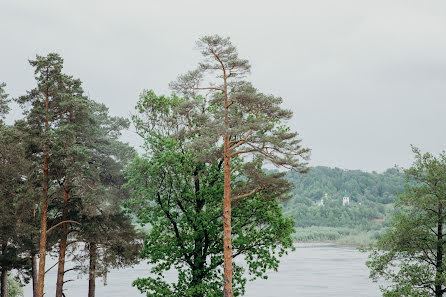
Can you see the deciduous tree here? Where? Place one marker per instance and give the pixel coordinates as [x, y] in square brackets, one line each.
[411, 255]
[179, 196]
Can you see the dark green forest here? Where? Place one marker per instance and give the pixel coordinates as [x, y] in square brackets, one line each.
[360, 222]
[370, 194]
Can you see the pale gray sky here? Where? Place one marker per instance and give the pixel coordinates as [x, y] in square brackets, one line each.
[365, 79]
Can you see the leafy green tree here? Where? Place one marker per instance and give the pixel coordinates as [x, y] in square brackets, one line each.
[234, 120]
[179, 196]
[411, 255]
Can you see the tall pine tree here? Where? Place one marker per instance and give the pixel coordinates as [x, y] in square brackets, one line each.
[247, 123]
[46, 112]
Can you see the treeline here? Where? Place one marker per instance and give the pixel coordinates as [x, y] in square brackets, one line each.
[64, 187]
[61, 178]
[371, 196]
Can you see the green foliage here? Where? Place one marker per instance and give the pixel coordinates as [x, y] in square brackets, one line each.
[4, 108]
[180, 197]
[16, 204]
[371, 195]
[14, 287]
[339, 235]
[410, 256]
[80, 141]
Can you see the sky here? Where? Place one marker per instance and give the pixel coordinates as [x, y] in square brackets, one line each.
[365, 79]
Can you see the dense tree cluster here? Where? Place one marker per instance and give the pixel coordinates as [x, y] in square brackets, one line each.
[61, 175]
[62, 180]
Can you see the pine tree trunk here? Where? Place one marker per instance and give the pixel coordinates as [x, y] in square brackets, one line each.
[34, 274]
[92, 272]
[227, 229]
[44, 211]
[62, 244]
[4, 285]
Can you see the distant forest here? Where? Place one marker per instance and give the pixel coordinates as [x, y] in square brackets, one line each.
[371, 197]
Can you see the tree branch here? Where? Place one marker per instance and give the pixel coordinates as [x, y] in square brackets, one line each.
[52, 267]
[209, 88]
[246, 195]
[241, 141]
[244, 152]
[63, 222]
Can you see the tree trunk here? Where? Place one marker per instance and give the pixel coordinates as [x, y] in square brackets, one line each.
[439, 264]
[34, 274]
[92, 272]
[4, 285]
[43, 227]
[44, 212]
[227, 229]
[4, 274]
[62, 244]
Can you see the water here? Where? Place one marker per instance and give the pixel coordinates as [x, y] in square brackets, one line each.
[310, 271]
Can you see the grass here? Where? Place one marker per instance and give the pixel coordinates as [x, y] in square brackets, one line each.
[337, 235]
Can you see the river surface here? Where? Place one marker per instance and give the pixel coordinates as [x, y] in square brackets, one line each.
[312, 270]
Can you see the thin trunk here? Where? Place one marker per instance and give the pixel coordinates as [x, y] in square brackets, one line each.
[439, 265]
[4, 285]
[92, 272]
[34, 274]
[227, 229]
[62, 244]
[4, 274]
[44, 213]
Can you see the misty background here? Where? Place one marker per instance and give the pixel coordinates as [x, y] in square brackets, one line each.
[365, 79]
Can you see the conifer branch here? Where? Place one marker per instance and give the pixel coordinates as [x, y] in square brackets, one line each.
[209, 88]
[58, 224]
[246, 195]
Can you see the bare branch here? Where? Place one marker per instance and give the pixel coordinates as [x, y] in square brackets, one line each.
[63, 222]
[244, 152]
[242, 141]
[246, 195]
[52, 267]
[209, 88]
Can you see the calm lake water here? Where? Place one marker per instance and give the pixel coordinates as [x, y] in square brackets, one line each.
[310, 271]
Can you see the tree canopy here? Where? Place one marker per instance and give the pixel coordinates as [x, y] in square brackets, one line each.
[179, 196]
[410, 256]
[234, 119]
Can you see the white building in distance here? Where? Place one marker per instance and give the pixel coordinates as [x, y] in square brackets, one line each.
[345, 200]
[320, 203]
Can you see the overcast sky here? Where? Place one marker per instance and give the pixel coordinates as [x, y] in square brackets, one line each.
[365, 79]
